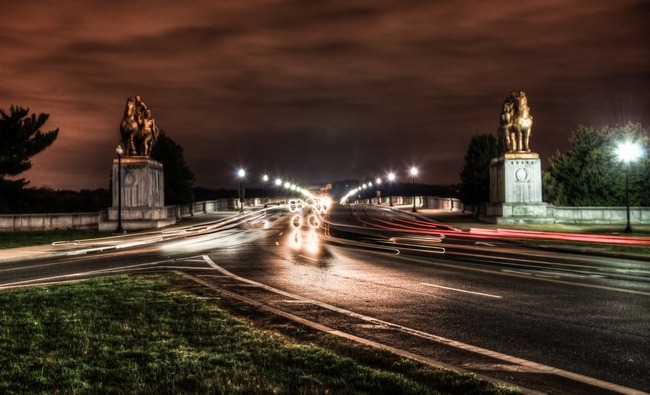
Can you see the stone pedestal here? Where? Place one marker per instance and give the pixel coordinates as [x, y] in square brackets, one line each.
[516, 178]
[143, 184]
[516, 190]
[143, 195]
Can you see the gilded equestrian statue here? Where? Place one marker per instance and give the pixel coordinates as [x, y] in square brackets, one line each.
[138, 128]
[516, 124]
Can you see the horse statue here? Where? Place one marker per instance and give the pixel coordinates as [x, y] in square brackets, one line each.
[515, 124]
[138, 128]
[129, 127]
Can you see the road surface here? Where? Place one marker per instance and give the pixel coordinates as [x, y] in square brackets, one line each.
[548, 321]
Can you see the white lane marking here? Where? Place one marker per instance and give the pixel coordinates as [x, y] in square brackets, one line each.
[194, 260]
[526, 365]
[310, 258]
[113, 247]
[516, 272]
[553, 274]
[483, 243]
[462, 290]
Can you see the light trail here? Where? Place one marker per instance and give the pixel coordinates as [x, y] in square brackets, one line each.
[408, 223]
[583, 238]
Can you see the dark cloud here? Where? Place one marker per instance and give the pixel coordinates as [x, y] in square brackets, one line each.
[318, 91]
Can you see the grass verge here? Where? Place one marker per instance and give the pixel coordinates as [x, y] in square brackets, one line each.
[639, 251]
[165, 334]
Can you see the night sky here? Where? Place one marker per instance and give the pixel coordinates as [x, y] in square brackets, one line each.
[317, 91]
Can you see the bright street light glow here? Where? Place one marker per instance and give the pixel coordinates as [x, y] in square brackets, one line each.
[414, 171]
[378, 181]
[241, 173]
[278, 182]
[265, 178]
[391, 176]
[628, 151]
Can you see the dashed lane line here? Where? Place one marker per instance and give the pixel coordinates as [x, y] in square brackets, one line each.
[462, 290]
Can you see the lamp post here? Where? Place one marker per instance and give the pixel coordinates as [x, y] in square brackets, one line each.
[391, 178]
[278, 184]
[242, 197]
[414, 172]
[120, 151]
[627, 152]
[265, 179]
[378, 191]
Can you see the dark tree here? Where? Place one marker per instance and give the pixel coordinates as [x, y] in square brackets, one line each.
[20, 139]
[475, 176]
[590, 174]
[179, 179]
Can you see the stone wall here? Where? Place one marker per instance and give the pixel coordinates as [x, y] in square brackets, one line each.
[599, 215]
[105, 220]
[572, 215]
[35, 222]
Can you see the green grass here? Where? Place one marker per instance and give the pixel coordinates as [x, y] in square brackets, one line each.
[26, 239]
[163, 334]
[641, 251]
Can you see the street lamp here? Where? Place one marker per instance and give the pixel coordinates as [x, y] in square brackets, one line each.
[120, 151]
[265, 179]
[414, 172]
[391, 178]
[378, 190]
[241, 173]
[627, 152]
[278, 184]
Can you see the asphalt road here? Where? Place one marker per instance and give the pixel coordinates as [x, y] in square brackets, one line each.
[549, 321]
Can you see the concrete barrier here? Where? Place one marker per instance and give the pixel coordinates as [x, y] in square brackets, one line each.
[599, 215]
[36, 222]
[434, 202]
[103, 221]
